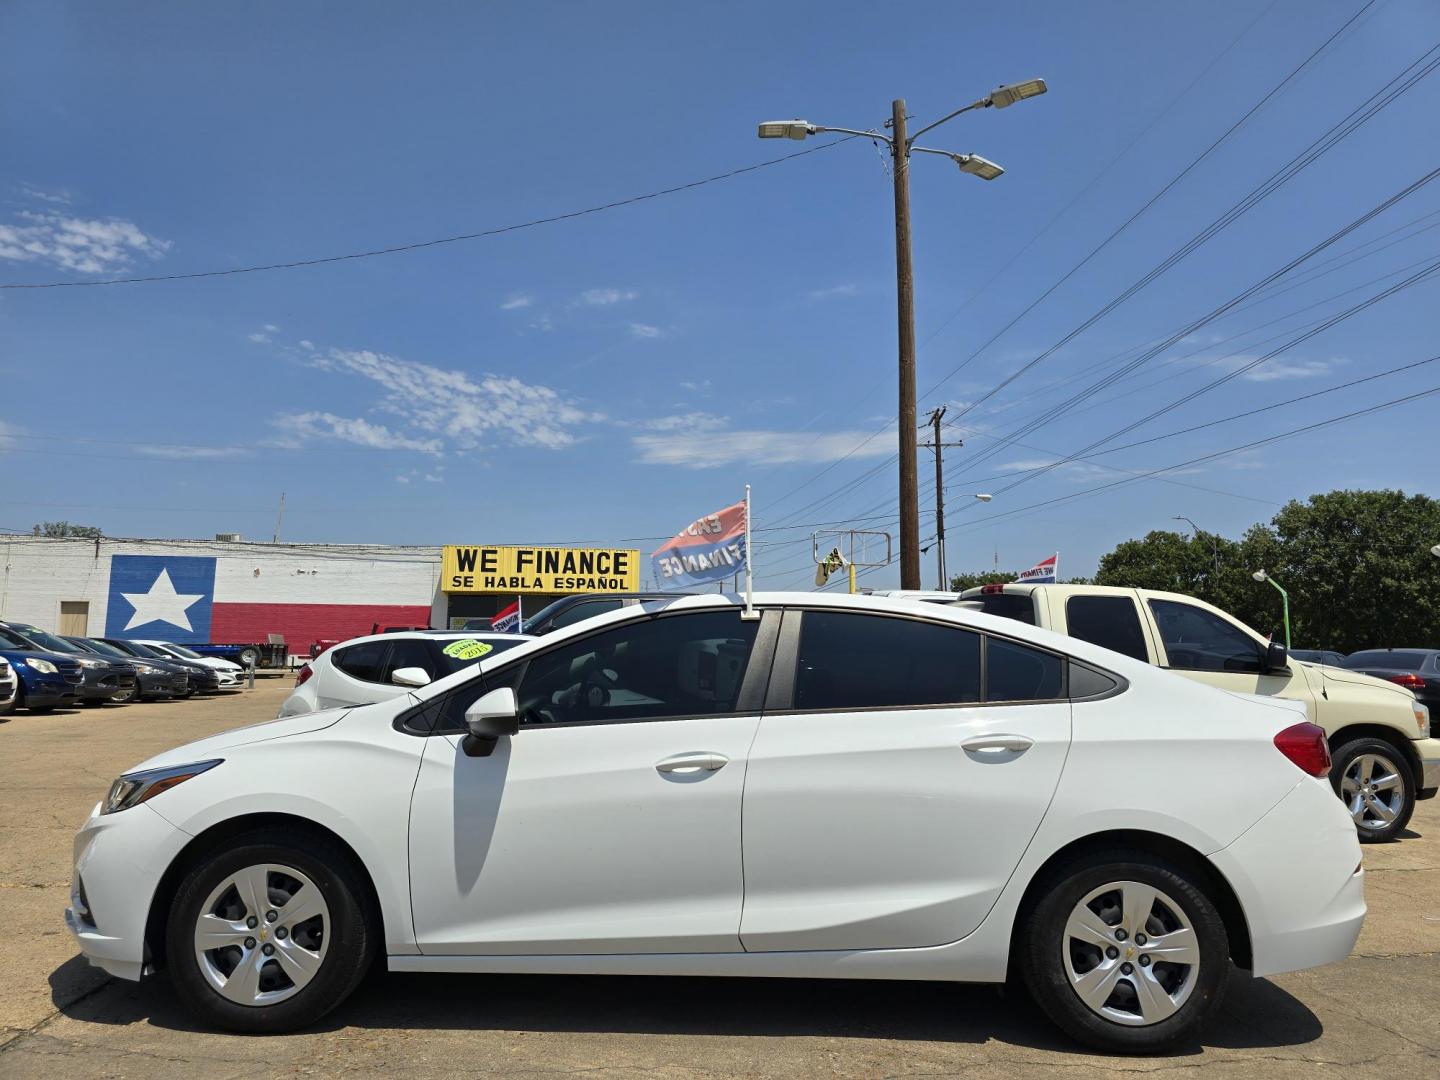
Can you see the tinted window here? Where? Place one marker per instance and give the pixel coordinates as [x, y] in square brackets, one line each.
[103, 648]
[1017, 606]
[850, 661]
[1198, 640]
[580, 612]
[46, 640]
[1112, 622]
[681, 665]
[15, 641]
[410, 652]
[362, 661]
[1408, 660]
[448, 664]
[1015, 672]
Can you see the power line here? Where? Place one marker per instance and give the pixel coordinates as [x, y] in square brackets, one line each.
[422, 244]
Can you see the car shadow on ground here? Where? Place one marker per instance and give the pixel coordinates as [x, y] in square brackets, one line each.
[1256, 1013]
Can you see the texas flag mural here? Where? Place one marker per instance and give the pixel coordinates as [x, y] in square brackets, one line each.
[707, 550]
[1042, 573]
[185, 599]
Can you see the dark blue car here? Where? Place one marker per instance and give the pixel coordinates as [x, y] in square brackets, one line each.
[47, 680]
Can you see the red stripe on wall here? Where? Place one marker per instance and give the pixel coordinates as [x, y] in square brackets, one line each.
[300, 624]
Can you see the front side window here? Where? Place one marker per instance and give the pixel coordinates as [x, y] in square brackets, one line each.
[1112, 622]
[363, 661]
[852, 661]
[1199, 640]
[673, 666]
[409, 652]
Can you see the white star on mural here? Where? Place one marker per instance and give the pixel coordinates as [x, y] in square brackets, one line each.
[161, 604]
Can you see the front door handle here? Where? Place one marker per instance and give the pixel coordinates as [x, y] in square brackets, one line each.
[994, 745]
[696, 762]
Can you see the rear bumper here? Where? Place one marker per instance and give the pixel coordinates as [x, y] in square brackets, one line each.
[1298, 877]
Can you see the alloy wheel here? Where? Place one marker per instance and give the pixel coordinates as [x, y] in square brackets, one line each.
[262, 934]
[1131, 953]
[1373, 790]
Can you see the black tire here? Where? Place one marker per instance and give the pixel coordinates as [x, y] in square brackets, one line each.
[353, 931]
[249, 658]
[123, 697]
[1369, 826]
[1045, 952]
[187, 694]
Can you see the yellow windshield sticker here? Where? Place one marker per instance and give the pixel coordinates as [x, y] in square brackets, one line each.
[467, 649]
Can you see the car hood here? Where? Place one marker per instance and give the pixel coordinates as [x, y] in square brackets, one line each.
[43, 654]
[1356, 678]
[216, 745]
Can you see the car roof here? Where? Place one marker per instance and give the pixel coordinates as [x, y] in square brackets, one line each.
[434, 635]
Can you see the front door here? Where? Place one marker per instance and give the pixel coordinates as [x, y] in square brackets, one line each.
[891, 794]
[610, 823]
[1206, 646]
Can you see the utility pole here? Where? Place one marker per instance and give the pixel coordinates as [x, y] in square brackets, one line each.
[279, 519]
[905, 310]
[939, 445]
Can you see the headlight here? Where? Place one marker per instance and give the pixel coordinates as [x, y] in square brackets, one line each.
[134, 788]
[45, 667]
[91, 663]
[149, 669]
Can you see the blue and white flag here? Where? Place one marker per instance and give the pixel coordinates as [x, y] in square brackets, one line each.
[1042, 573]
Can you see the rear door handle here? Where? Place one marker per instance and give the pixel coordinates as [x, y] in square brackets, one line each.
[994, 745]
[698, 761]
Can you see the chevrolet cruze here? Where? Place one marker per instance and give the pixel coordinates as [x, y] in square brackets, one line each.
[836, 787]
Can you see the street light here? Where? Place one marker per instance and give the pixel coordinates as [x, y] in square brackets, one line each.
[1214, 546]
[1261, 576]
[901, 146]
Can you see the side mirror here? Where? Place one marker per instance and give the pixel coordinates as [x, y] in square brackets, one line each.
[409, 676]
[492, 715]
[1277, 657]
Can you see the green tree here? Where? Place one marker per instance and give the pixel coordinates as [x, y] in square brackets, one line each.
[961, 582]
[58, 529]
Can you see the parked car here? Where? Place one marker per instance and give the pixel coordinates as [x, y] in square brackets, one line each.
[1319, 656]
[1418, 670]
[569, 610]
[44, 680]
[102, 679]
[155, 678]
[386, 665]
[928, 793]
[229, 675]
[9, 686]
[202, 677]
[1380, 735]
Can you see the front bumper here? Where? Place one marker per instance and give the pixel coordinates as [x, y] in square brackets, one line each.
[1298, 876]
[119, 860]
[100, 685]
[1429, 751]
[166, 683]
[48, 691]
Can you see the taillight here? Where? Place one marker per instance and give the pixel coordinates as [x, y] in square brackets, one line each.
[1409, 680]
[1305, 745]
[991, 590]
[304, 673]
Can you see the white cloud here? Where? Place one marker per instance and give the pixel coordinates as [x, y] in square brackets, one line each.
[701, 387]
[1274, 370]
[457, 409]
[517, 301]
[710, 449]
[691, 421]
[834, 291]
[84, 245]
[190, 453]
[645, 330]
[57, 198]
[402, 478]
[324, 425]
[259, 337]
[307, 345]
[7, 435]
[543, 323]
[605, 297]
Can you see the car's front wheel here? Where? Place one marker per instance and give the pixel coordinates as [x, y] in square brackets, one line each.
[1375, 782]
[270, 933]
[1125, 952]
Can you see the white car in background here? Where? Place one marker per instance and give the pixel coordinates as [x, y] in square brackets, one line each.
[382, 666]
[230, 674]
[921, 792]
[9, 687]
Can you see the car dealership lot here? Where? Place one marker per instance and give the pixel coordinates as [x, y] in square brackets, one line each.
[1370, 1015]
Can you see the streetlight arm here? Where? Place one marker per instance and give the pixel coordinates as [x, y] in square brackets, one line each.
[983, 103]
[926, 150]
[819, 130]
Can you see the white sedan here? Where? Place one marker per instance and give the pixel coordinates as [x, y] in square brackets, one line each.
[928, 793]
[382, 666]
[230, 674]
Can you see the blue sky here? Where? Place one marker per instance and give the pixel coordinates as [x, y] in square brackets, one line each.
[612, 377]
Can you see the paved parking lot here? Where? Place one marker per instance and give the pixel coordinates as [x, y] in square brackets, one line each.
[1373, 1015]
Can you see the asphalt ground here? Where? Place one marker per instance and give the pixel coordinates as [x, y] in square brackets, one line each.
[1372, 1015]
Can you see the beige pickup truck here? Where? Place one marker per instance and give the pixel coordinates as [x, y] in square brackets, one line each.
[1381, 739]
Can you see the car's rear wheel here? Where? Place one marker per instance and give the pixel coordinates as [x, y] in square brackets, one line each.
[269, 934]
[1125, 953]
[249, 658]
[1375, 783]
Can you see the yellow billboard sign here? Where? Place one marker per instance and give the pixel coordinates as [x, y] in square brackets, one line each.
[491, 569]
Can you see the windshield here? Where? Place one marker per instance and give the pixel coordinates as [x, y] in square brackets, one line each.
[134, 648]
[46, 640]
[180, 650]
[104, 648]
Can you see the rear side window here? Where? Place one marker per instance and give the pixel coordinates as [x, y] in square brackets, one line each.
[410, 652]
[1017, 606]
[1112, 622]
[362, 661]
[850, 661]
[1015, 672]
[1404, 659]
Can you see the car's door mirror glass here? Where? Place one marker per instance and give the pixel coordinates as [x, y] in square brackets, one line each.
[410, 676]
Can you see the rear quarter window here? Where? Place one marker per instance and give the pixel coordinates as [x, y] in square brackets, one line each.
[1017, 606]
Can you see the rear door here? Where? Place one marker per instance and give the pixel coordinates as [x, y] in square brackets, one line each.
[900, 769]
